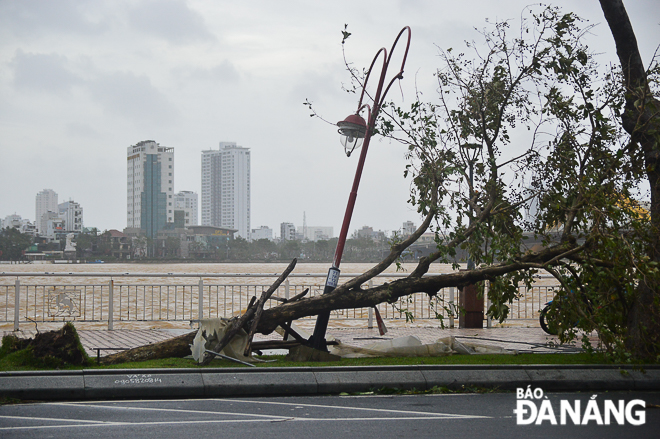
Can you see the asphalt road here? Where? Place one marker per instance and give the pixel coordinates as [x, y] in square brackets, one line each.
[462, 416]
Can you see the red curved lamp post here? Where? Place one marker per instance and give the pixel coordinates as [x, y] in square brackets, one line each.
[355, 132]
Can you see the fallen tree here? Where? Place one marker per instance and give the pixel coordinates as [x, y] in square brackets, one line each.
[546, 120]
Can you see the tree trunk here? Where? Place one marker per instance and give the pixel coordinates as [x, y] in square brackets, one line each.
[641, 122]
[177, 347]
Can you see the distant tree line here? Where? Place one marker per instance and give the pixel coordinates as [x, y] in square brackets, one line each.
[94, 244]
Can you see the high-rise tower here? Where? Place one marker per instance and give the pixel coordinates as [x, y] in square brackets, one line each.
[226, 188]
[150, 203]
[46, 201]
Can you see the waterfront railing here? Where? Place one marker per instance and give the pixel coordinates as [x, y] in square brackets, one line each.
[176, 297]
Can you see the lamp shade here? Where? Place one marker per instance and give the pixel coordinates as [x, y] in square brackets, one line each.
[471, 151]
[353, 129]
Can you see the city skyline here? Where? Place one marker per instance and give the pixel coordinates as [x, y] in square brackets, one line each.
[81, 80]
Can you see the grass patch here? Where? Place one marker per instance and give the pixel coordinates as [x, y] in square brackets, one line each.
[24, 360]
[60, 349]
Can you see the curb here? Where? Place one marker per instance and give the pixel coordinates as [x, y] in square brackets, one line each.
[94, 384]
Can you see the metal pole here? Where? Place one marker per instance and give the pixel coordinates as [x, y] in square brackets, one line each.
[489, 319]
[111, 303]
[200, 301]
[370, 325]
[451, 307]
[470, 262]
[317, 340]
[17, 304]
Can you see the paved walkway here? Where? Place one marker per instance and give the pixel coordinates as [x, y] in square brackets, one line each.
[521, 339]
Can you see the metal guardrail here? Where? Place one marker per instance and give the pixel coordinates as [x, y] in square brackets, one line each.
[119, 300]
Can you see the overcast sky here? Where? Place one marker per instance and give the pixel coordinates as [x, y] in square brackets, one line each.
[80, 81]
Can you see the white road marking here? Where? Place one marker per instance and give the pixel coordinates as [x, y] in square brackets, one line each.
[236, 421]
[52, 419]
[297, 404]
[208, 412]
[358, 408]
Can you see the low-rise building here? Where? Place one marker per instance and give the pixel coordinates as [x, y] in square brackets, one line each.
[367, 232]
[263, 232]
[22, 224]
[315, 233]
[119, 244]
[186, 201]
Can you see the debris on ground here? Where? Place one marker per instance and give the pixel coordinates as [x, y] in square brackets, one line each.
[411, 346]
[57, 348]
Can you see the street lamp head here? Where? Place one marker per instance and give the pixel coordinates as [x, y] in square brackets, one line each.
[471, 151]
[353, 129]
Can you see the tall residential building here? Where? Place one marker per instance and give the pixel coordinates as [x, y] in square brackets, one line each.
[46, 202]
[150, 203]
[72, 214]
[226, 188]
[187, 202]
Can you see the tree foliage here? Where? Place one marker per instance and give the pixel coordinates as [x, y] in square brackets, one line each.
[13, 244]
[548, 119]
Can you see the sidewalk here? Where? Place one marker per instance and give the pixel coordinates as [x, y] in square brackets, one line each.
[519, 339]
[92, 384]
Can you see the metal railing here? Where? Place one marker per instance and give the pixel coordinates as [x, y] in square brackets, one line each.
[117, 299]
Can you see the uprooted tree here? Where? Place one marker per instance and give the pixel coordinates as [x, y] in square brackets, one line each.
[551, 124]
[561, 138]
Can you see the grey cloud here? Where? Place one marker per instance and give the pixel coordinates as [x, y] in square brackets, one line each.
[82, 130]
[224, 72]
[37, 17]
[43, 73]
[133, 97]
[314, 85]
[171, 20]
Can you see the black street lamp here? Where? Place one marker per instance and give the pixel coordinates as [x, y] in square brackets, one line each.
[355, 133]
[473, 306]
[470, 152]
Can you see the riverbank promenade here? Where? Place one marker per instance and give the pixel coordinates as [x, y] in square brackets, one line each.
[516, 338]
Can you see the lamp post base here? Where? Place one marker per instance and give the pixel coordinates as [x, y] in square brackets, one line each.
[317, 340]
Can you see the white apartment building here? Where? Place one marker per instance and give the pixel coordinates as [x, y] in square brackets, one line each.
[408, 228]
[187, 201]
[50, 224]
[150, 187]
[72, 214]
[54, 226]
[287, 232]
[315, 233]
[263, 232]
[17, 222]
[226, 188]
[46, 201]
